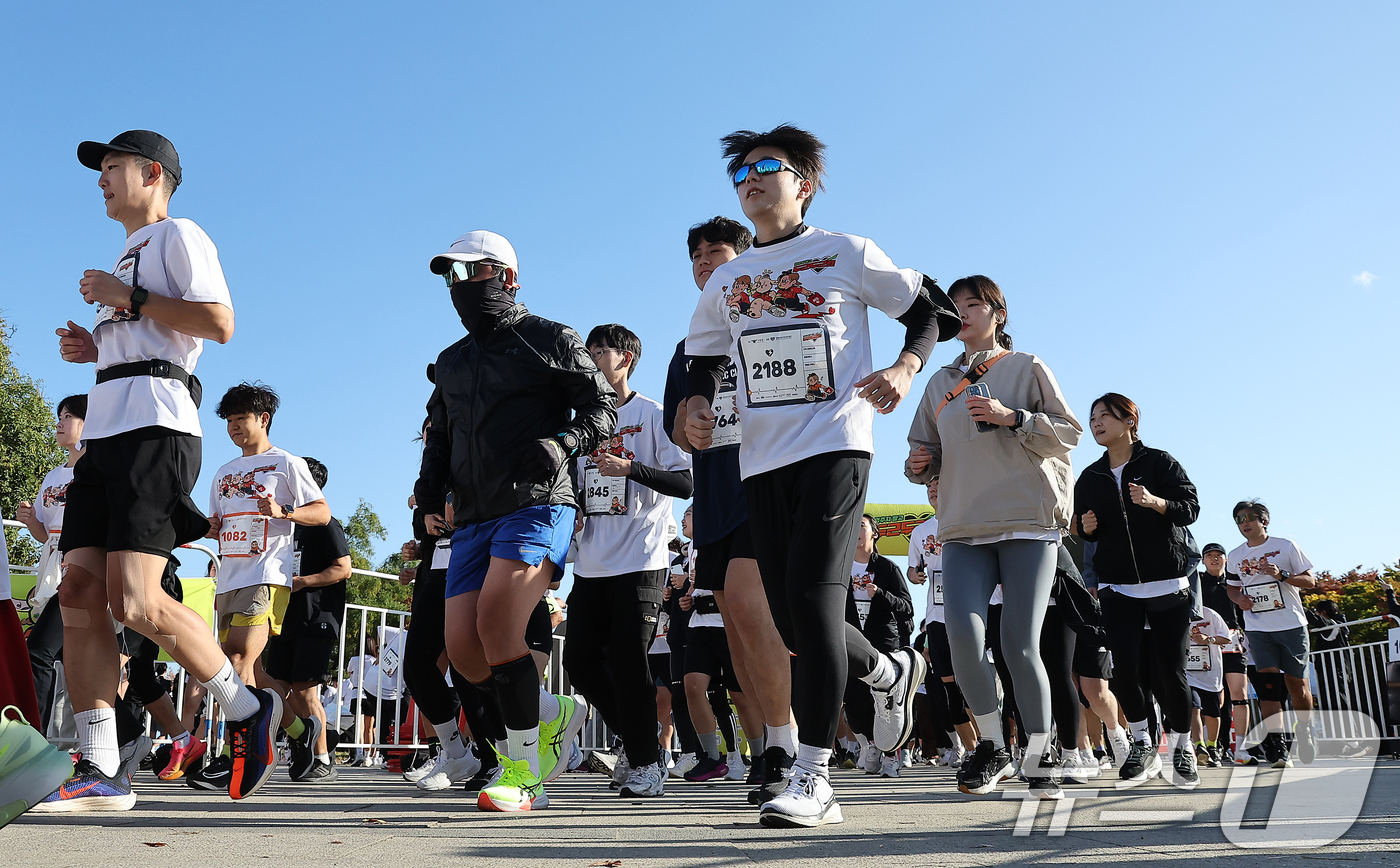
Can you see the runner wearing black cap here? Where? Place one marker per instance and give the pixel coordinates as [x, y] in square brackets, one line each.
[1215, 594]
[129, 503]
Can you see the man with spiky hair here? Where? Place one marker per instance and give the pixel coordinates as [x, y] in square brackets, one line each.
[809, 394]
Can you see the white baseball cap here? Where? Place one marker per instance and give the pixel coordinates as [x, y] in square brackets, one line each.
[475, 246]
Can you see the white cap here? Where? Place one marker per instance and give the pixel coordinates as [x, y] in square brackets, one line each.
[475, 246]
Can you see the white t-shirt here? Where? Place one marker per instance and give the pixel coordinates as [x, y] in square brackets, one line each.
[172, 257]
[364, 675]
[926, 551]
[52, 499]
[627, 525]
[792, 317]
[862, 596]
[1211, 678]
[1245, 561]
[255, 549]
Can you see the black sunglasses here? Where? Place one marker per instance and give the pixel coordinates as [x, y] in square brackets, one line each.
[764, 166]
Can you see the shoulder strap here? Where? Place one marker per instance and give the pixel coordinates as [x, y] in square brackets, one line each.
[972, 376]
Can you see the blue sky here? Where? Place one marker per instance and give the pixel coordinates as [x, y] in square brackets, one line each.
[1172, 199]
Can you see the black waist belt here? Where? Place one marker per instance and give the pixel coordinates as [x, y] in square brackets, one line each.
[704, 605]
[154, 368]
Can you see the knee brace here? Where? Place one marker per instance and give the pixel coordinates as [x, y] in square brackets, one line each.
[1239, 702]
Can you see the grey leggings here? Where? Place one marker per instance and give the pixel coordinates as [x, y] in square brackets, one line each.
[1025, 569]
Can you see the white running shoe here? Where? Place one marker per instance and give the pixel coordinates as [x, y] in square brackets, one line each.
[870, 759]
[687, 762]
[1073, 768]
[1089, 764]
[1121, 746]
[414, 775]
[906, 758]
[448, 771]
[807, 801]
[737, 770]
[621, 772]
[645, 782]
[894, 708]
[889, 766]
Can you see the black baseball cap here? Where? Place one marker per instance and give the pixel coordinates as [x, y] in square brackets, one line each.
[1212, 547]
[152, 146]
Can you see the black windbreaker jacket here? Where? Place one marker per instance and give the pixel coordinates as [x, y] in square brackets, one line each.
[1136, 544]
[494, 394]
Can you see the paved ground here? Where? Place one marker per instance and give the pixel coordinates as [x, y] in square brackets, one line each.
[372, 818]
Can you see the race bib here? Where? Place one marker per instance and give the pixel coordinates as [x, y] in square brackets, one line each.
[1198, 658]
[296, 563]
[863, 610]
[1267, 597]
[938, 588]
[729, 430]
[603, 495]
[442, 554]
[243, 535]
[786, 365]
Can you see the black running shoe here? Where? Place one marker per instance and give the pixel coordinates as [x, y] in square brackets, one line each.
[215, 776]
[756, 771]
[1184, 774]
[483, 778]
[303, 749]
[777, 768]
[320, 773]
[707, 769]
[1142, 763]
[980, 773]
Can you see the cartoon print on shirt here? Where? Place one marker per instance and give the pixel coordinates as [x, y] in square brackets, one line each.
[933, 546]
[753, 297]
[737, 299]
[55, 496]
[1253, 566]
[817, 390]
[617, 507]
[763, 296]
[243, 484]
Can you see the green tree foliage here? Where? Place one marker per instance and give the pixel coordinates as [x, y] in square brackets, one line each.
[361, 531]
[28, 449]
[1358, 594]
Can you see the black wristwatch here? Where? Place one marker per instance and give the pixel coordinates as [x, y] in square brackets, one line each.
[1284, 575]
[287, 511]
[1020, 420]
[138, 298]
[569, 440]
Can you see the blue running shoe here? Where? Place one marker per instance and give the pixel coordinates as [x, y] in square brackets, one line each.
[89, 790]
[255, 746]
[30, 767]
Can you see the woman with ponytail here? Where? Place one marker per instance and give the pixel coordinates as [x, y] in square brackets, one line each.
[994, 429]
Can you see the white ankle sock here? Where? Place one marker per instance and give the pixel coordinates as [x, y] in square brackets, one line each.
[183, 739]
[1139, 730]
[237, 701]
[549, 706]
[97, 739]
[524, 744]
[883, 676]
[1180, 739]
[780, 736]
[451, 738]
[813, 759]
[989, 727]
[324, 757]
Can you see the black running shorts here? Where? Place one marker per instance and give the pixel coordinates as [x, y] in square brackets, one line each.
[712, 561]
[302, 653]
[539, 633]
[131, 492]
[1091, 661]
[707, 651]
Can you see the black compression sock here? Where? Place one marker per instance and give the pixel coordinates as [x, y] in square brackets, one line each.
[517, 684]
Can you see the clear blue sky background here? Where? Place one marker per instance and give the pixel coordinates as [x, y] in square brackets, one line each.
[1195, 205]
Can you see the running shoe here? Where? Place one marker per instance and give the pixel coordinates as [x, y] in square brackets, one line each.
[558, 734]
[845, 759]
[870, 759]
[980, 773]
[215, 775]
[1245, 758]
[906, 758]
[516, 790]
[777, 768]
[304, 748]
[159, 759]
[254, 741]
[756, 771]
[954, 756]
[1142, 764]
[621, 772]
[449, 770]
[1213, 759]
[1202, 753]
[320, 773]
[1121, 745]
[1089, 763]
[182, 759]
[1183, 774]
[133, 752]
[1044, 776]
[644, 783]
[737, 771]
[31, 769]
[601, 761]
[1306, 741]
[687, 762]
[894, 708]
[89, 790]
[707, 769]
[889, 766]
[1074, 768]
[806, 801]
[417, 773]
[484, 778]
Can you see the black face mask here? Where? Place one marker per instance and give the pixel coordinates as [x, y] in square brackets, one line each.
[481, 302]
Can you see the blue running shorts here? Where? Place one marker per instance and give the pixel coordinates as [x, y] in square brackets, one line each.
[530, 535]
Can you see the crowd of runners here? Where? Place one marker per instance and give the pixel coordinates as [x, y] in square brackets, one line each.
[537, 452]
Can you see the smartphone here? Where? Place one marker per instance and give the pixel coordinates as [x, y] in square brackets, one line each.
[981, 390]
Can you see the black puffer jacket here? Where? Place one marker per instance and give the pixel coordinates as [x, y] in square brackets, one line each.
[1136, 544]
[526, 379]
[890, 607]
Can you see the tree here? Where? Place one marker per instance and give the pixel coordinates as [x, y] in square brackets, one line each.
[28, 449]
[1358, 594]
[361, 530]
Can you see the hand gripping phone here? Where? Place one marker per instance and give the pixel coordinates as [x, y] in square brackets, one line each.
[981, 390]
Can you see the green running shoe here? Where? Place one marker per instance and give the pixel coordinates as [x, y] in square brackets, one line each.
[516, 790]
[558, 734]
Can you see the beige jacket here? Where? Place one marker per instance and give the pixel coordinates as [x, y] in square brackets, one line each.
[1003, 481]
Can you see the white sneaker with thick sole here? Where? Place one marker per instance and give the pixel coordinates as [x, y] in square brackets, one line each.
[953, 756]
[807, 801]
[869, 761]
[894, 708]
[737, 770]
[1089, 764]
[687, 762]
[645, 782]
[448, 771]
[889, 766]
[414, 775]
[1121, 745]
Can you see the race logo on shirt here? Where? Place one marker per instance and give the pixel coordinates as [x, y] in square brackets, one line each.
[244, 484]
[754, 296]
[1254, 566]
[55, 496]
[615, 447]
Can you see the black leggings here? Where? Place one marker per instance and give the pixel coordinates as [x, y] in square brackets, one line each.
[1009, 713]
[423, 648]
[1167, 643]
[1057, 642]
[612, 621]
[45, 642]
[680, 705]
[806, 517]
